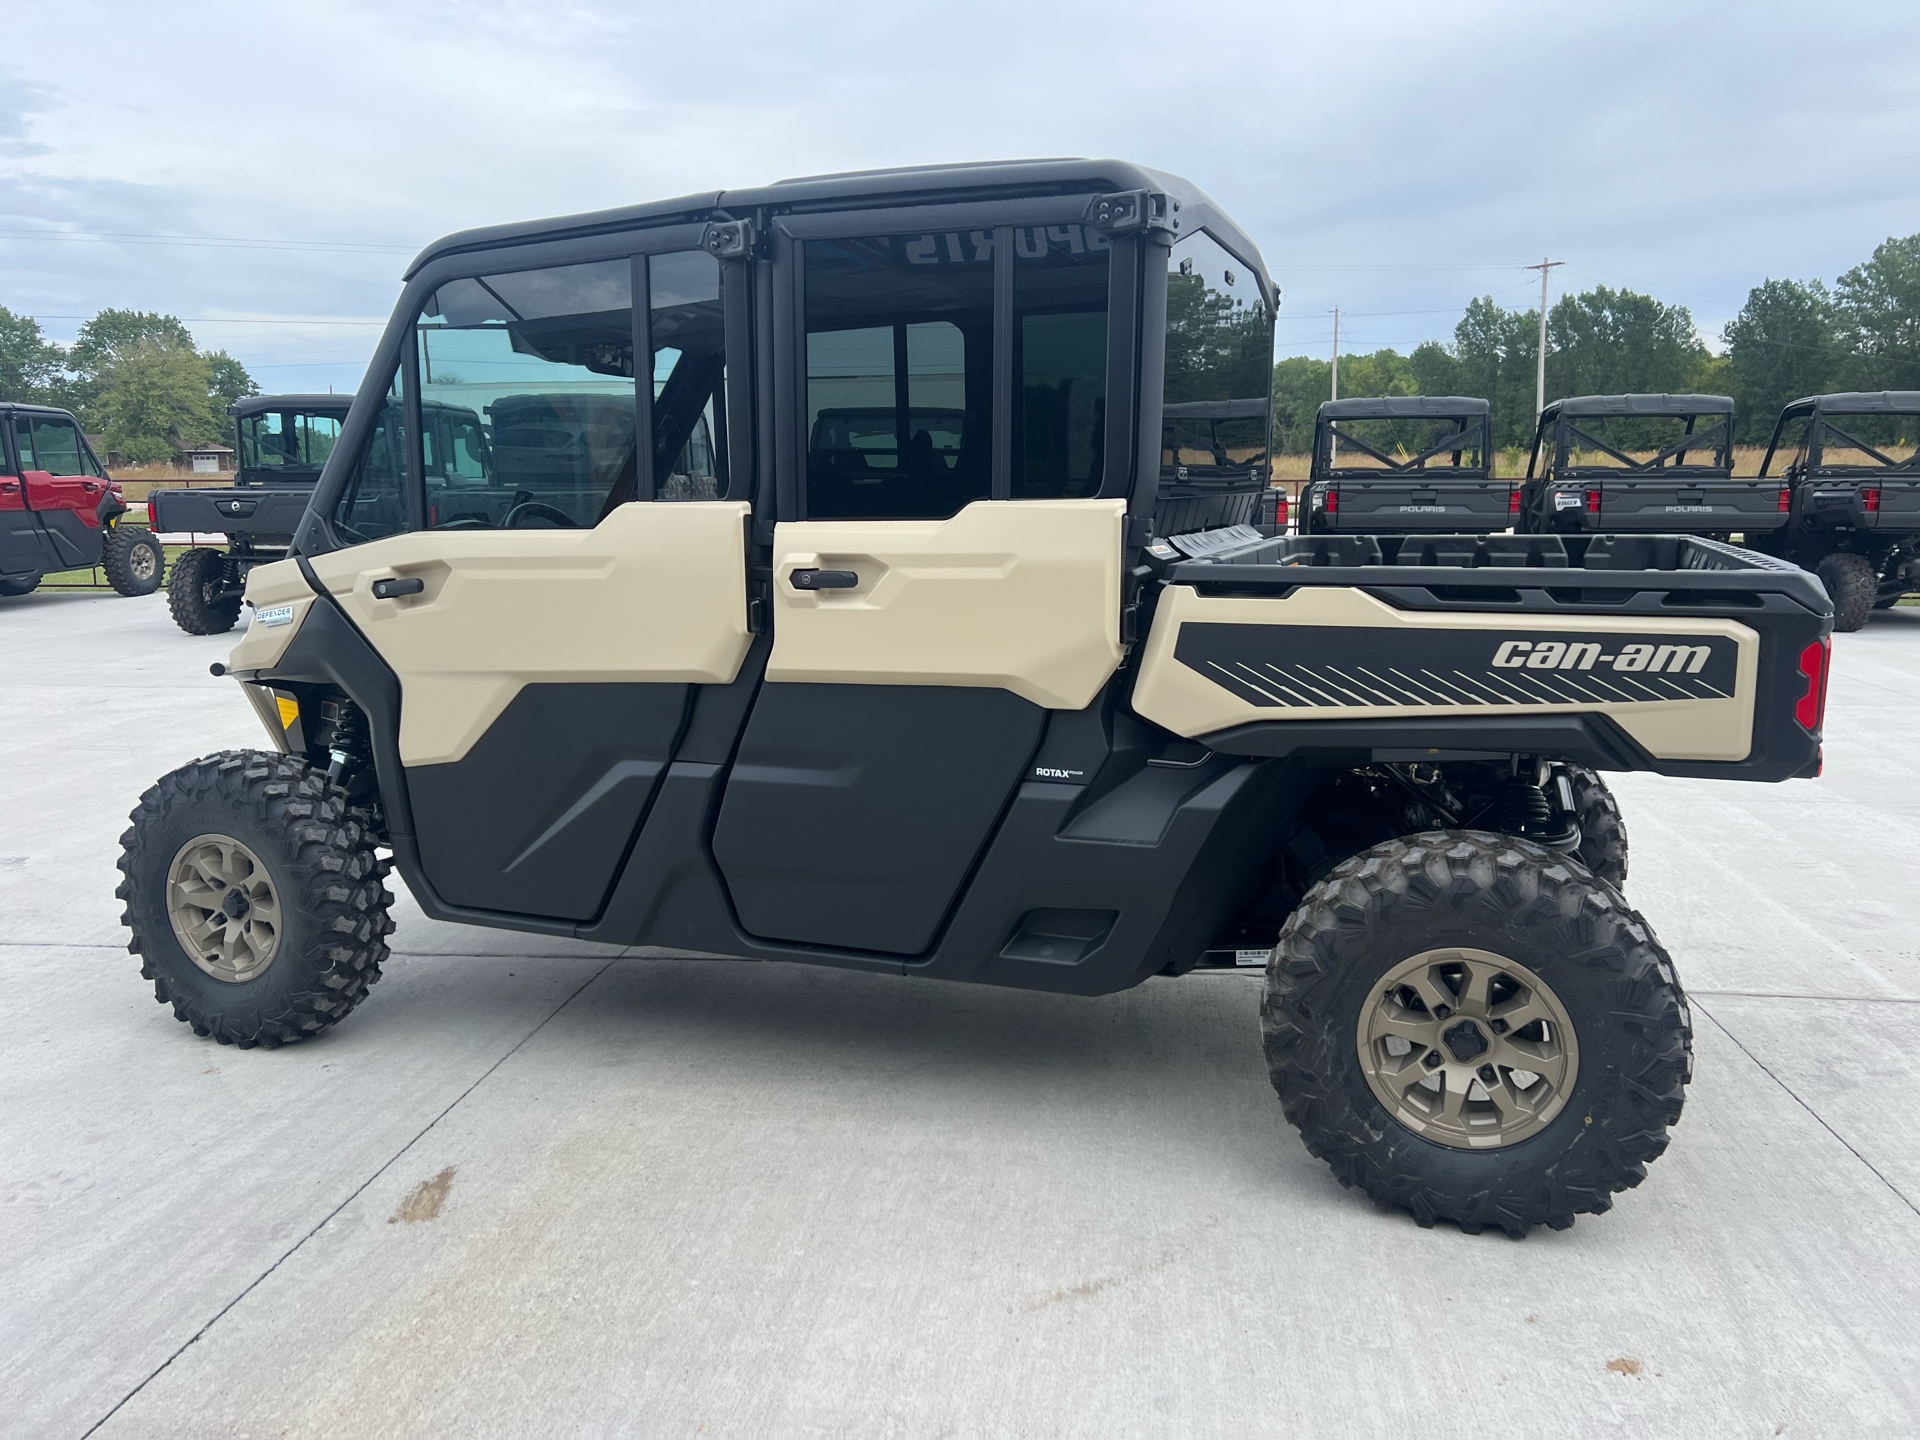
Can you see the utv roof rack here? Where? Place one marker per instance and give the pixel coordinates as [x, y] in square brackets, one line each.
[259, 404]
[1640, 405]
[1403, 406]
[1189, 209]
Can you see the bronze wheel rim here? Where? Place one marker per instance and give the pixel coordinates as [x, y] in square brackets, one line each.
[142, 562]
[224, 909]
[1467, 1048]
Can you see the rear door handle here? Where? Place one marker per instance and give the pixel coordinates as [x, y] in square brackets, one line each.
[823, 579]
[394, 589]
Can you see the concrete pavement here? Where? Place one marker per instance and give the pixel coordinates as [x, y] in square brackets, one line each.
[541, 1187]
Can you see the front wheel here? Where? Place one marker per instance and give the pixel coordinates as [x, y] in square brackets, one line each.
[255, 900]
[1603, 833]
[132, 560]
[1466, 1027]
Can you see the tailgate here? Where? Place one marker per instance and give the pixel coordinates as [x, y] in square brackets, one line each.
[1867, 503]
[1666, 505]
[228, 512]
[1399, 505]
[1668, 654]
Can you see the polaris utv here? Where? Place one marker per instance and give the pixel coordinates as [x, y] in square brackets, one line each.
[283, 441]
[1856, 508]
[59, 510]
[1405, 463]
[1644, 464]
[984, 709]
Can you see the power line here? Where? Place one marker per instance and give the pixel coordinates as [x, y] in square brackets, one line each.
[222, 242]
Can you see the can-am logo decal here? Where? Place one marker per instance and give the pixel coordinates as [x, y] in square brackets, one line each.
[1327, 666]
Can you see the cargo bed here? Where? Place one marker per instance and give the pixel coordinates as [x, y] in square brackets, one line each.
[1640, 652]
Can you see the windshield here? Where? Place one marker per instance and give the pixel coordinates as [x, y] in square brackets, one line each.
[287, 441]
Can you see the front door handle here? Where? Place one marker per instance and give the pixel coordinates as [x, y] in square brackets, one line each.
[394, 589]
[823, 579]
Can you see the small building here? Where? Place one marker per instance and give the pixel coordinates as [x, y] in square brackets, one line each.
[206, 459]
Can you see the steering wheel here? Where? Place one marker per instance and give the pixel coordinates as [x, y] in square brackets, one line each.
[537, 507]
[466, 522]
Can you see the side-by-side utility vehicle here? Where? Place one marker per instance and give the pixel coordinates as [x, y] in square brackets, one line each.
[971, 700]
[1402, 464]
[283, 442]
[1645, 464]
[59, 510]
[1853, 461]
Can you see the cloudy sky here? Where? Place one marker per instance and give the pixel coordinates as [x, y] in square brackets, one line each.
[265, 170]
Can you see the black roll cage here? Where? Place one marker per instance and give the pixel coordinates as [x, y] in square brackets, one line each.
[1814, 446]
[1559, 418]
[1472, 429]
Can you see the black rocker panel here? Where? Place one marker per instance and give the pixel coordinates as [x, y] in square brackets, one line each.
[853, 812]
[536, 818]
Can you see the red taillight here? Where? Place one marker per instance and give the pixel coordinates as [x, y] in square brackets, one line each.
[1280, 509]
[1593, 502]
[1871, 500]
[1333, 499]
[1811, 706]
[1786, 500]
[1513, 502]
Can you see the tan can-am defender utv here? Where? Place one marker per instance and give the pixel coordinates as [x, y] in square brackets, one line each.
[687, 656]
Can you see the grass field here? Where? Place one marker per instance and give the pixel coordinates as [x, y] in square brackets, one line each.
[95, 579]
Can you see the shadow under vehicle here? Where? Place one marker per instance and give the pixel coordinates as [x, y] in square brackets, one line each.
[60, 511]
[283, 442]
[1405, 463]
[1644, 464]
[1024, 716]
[1856, 507]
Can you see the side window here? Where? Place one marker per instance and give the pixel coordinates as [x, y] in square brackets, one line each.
[56, 447]
[1219, 379]
[688, 337]
[1060, 359]
[23, 442]
[899, 335]
[374, 502]
[527, 378]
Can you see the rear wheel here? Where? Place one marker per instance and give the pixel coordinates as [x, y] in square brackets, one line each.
[1852, 585]
[194, 594]
[1468, 1028]
[254, 897]
[1603, 834]
[20, 584]
[132, 560]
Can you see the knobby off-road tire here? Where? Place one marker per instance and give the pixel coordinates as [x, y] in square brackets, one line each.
[1603, 833]
[132, 560]
[282, 836]
[197, 575]
[1852, 585]
[20, 584]
[1546, 921]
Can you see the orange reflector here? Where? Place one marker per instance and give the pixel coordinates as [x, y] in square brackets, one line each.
[289, 710]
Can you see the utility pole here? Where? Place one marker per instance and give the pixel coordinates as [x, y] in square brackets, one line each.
[1333, 438]
[1545, 267]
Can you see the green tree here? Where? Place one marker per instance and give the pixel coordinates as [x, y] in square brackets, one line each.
[1435, 369]
[1495, 348]
[227, 381]
[1617, 342]
[1300, 384]
[153, 398]
[1784, 344]
[31, 369]
[1878, 307]
[102, 342]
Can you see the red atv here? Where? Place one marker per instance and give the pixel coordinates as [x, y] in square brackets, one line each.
[59, 511]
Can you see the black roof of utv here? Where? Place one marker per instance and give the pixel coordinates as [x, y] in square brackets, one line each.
[1859, 402]
[863, 189]
[1401, 407]
[1640, 405]
[261, 404]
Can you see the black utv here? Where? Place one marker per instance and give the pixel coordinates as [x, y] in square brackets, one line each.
[1856, 497]
[283, 442]
[1404, 464]
[987, 693]
[1644, 464]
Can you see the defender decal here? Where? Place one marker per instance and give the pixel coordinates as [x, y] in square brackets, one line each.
[1326, 666]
